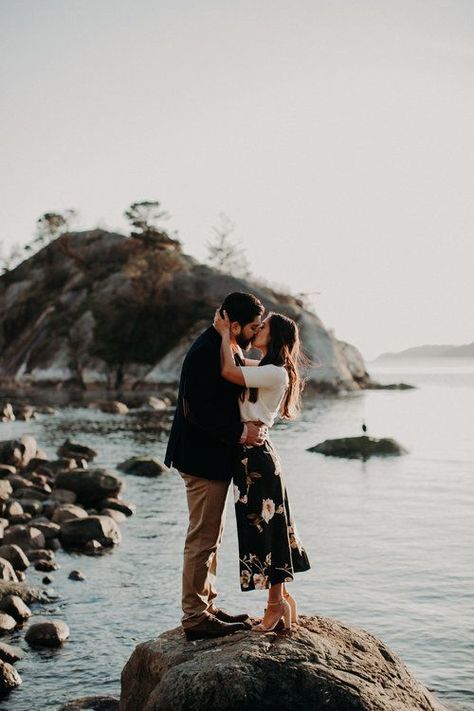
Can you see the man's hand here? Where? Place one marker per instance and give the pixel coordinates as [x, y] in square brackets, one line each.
[256, 433]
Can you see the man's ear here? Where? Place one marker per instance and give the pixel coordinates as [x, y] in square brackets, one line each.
[235, 328]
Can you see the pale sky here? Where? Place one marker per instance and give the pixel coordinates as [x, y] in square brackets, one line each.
[336, 134]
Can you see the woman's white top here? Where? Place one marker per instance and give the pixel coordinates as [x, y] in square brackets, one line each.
[272, 382]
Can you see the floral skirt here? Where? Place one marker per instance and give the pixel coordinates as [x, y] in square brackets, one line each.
[270, 550]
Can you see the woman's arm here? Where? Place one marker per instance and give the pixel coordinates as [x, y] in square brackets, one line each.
[229, 370]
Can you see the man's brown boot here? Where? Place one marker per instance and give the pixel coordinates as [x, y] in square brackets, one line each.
[213, 627]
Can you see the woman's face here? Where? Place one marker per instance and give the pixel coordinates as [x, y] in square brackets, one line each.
[262, 339]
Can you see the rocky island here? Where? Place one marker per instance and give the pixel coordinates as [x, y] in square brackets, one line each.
[97, 309]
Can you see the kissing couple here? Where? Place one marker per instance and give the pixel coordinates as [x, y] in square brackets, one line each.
[226, 405]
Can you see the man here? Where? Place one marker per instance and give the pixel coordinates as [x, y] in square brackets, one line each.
[203, 444]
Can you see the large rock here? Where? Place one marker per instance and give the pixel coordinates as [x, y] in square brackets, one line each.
[90, 485]
[358, 447]
[320, 664]
[76, 533]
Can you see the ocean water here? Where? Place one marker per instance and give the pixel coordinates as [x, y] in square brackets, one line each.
[390, 540]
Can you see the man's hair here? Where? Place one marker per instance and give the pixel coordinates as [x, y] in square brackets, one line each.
[242, 307]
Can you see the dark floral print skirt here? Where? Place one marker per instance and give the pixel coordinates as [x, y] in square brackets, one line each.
[270, 550]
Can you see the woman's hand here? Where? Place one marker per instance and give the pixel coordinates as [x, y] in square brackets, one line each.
[222, 324]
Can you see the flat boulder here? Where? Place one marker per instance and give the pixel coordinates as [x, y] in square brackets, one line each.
[90, 485]
[143, 466]
[77, 533]
[320, 664]
[47, 634]
[358, 447]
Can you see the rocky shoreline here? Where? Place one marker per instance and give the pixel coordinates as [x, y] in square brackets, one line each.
[46, 505]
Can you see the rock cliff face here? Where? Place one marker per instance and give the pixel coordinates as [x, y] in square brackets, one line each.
[98, 309]
[319, 664]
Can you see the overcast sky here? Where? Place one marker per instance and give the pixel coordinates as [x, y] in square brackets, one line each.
[336, 134]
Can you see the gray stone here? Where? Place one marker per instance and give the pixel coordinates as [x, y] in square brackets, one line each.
[319, 664]
[143, 466]
[47, 634]
[90, 485]
[78, 532]
[358, 447]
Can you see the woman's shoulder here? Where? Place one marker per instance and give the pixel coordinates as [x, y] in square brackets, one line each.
[278, 372]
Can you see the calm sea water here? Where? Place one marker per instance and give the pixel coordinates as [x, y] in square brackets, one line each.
[390, 540]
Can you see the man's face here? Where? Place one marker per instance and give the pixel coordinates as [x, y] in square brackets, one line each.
[248, 332]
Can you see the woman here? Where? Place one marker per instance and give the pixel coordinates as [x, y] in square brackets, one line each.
[270, 551]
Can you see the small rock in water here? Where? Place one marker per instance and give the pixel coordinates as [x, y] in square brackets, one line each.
[9, 678]
[46, 580]
[358, 447]
[46, 565]
[47, 634]
[74, 450]
[143, 466]
[76, 575]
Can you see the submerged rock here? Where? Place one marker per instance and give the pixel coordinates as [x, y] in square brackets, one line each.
[143, 466]
[320, 664]
[47, 634]
[358, 447]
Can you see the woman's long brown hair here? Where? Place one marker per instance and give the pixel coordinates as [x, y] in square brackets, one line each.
[284, 349]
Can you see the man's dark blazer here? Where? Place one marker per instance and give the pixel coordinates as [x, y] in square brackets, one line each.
[206, 427]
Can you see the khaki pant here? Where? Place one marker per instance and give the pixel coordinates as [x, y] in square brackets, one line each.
[206, 504]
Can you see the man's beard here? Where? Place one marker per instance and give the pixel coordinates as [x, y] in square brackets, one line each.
[244, 343]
